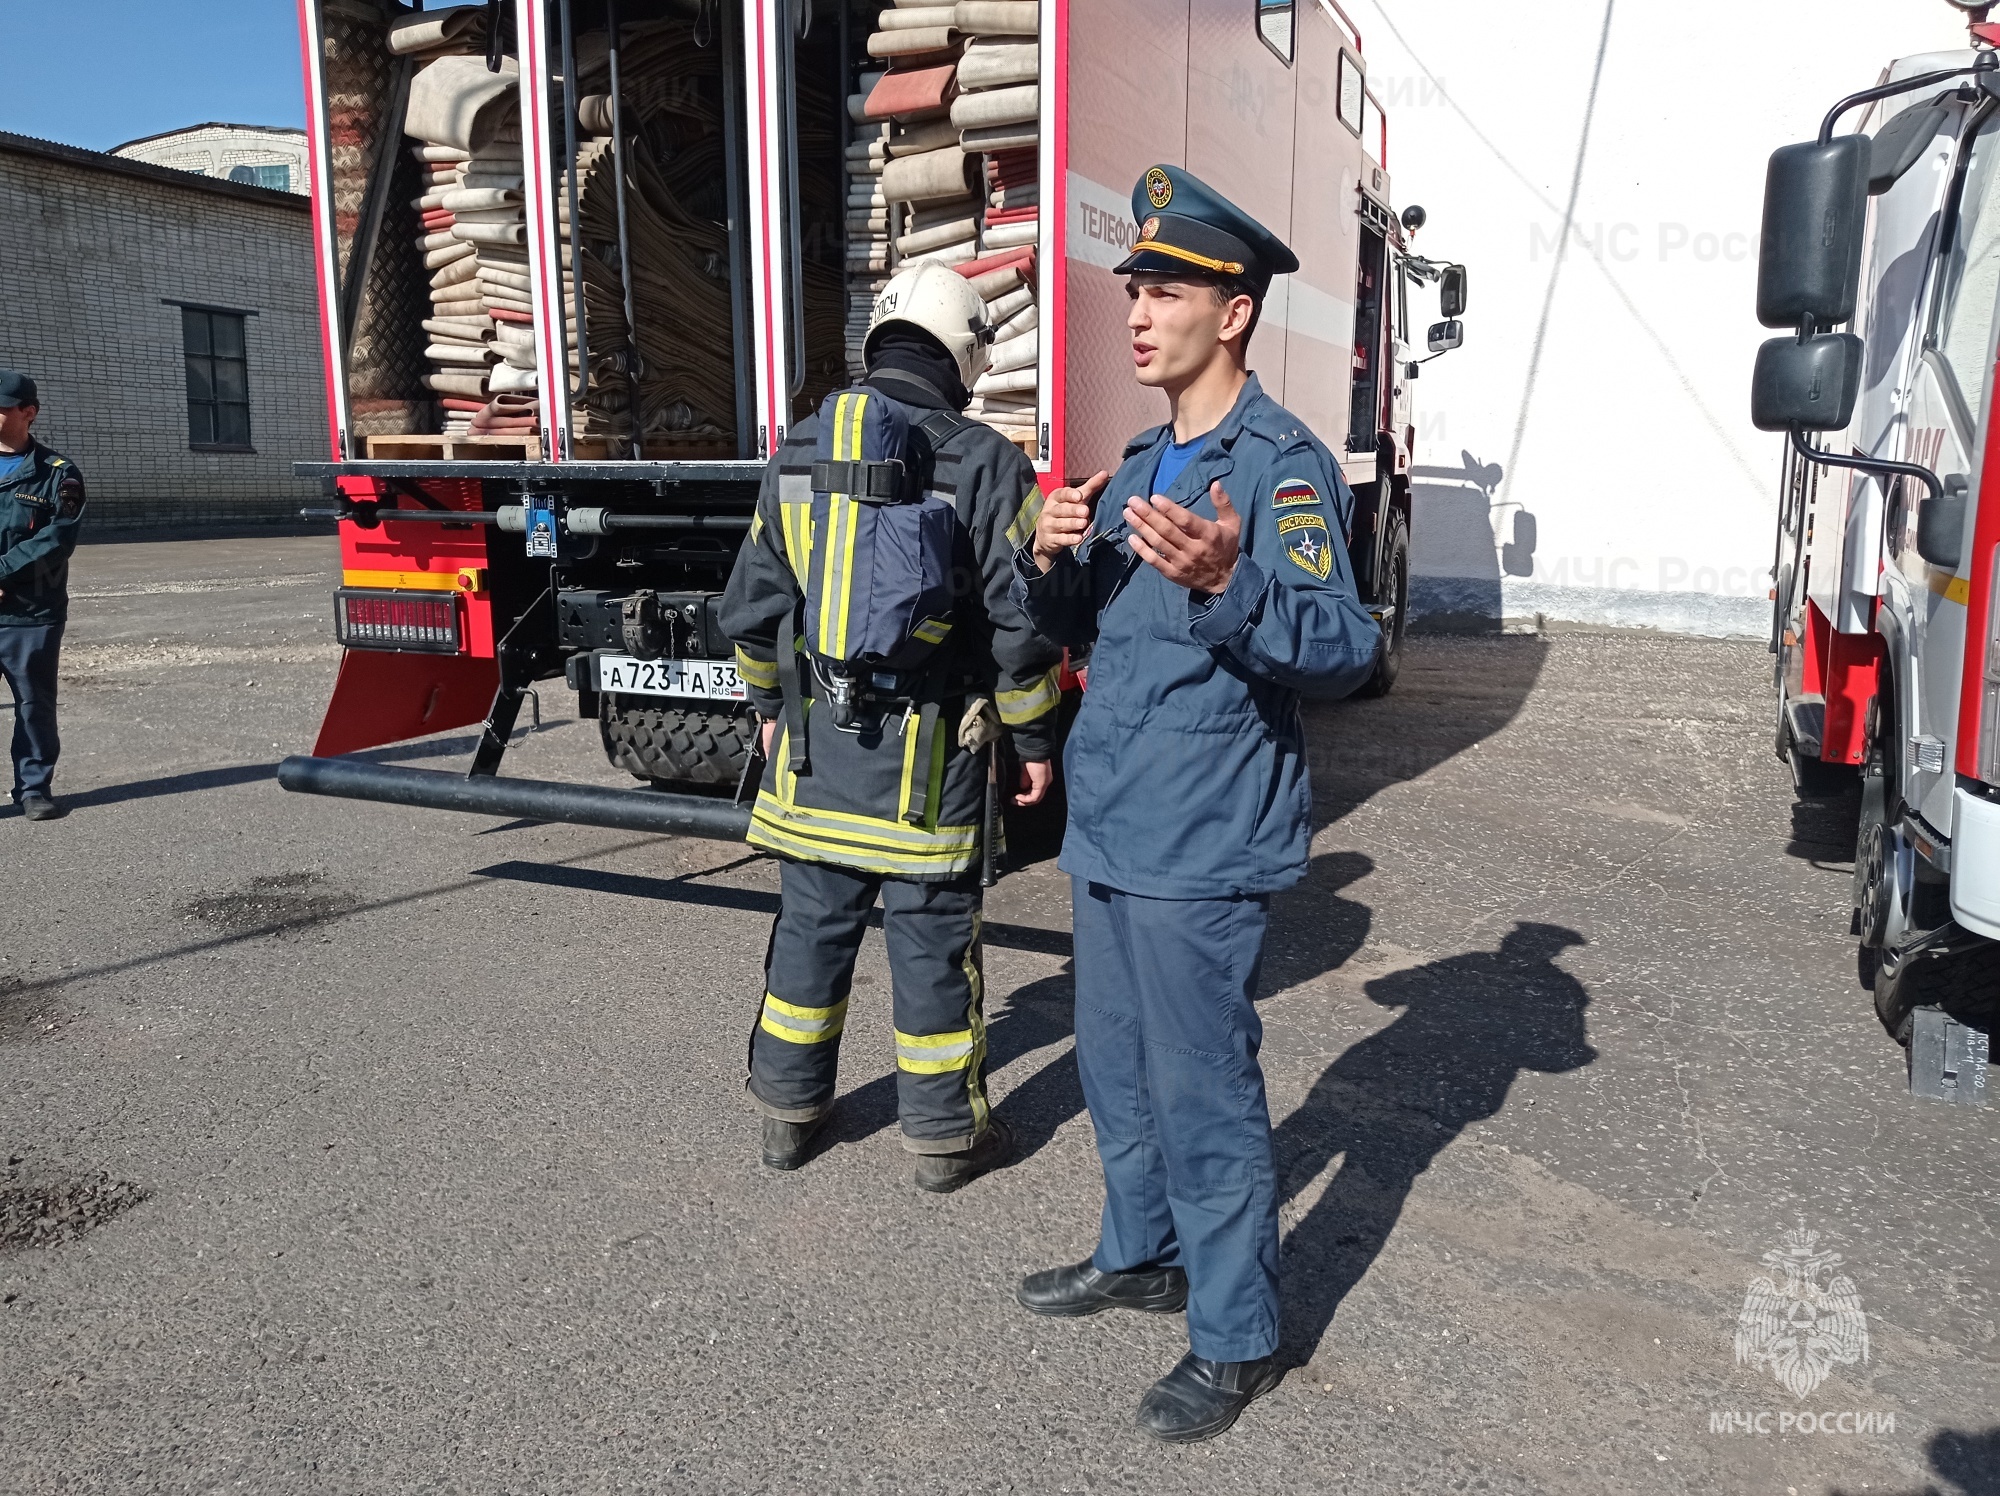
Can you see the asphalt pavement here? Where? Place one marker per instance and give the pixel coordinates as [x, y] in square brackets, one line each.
[357, 1149]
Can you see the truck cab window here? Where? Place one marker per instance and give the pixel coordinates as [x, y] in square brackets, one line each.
[1970, 280]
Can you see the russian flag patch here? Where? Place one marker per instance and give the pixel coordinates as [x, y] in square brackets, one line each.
[1294, 491]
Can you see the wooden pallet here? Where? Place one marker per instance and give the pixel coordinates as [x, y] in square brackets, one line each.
[455, 448]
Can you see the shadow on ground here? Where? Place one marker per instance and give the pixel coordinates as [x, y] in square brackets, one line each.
[1968, 1463]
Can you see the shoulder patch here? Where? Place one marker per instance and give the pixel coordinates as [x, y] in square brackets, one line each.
[1294, 491]
[1308, 543]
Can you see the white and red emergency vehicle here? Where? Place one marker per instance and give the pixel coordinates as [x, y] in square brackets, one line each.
[1886, 624]
[706, 157]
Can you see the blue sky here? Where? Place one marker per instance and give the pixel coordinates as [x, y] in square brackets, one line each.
[97, 73]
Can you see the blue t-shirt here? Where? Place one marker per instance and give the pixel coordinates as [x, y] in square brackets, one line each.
[12, 464]
[1174, 458]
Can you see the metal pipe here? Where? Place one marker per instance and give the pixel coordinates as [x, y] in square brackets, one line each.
[582, 385]
[529, 799]
[624, 239]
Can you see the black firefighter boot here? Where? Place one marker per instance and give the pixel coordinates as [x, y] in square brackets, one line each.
[789, 1144]
[941, 1173]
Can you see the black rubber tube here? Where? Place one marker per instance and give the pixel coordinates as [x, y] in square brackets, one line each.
[529, 799]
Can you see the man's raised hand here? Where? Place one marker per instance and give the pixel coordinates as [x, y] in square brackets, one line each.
[1065, 519]
[1198, 554]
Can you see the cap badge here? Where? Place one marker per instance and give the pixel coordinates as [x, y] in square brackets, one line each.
[1159, 187]
[1149, 229]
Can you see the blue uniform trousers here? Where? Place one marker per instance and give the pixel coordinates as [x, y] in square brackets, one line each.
[28, 661]
[1166, 1044]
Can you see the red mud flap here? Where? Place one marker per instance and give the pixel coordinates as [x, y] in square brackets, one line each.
[383, 696]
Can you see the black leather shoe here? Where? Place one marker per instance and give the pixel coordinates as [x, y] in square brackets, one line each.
[1082, 1289]
[41, 808]
[1199, 1399]
[789, 1144]
[941, 1173]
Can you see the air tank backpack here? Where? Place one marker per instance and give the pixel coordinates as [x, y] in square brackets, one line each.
[878, 554]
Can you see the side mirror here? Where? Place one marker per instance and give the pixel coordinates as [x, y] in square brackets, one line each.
[1809, 262]
[1941, 525]
[1810, 385]
[1451, 292]
[1445, 336]
[1414, 218]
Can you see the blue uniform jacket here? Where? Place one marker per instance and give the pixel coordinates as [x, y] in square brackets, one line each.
[41, 509]
[1186, 767]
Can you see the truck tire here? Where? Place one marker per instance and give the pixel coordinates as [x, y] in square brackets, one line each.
[1393, 594]
[669, 744]
[1965, 985]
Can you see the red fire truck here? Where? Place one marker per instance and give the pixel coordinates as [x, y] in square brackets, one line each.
[581, 263]
[1886, 625]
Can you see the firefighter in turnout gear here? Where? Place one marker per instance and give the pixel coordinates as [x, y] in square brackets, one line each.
[876, 639]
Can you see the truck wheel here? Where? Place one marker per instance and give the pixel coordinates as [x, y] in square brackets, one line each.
[676, 744]
[1394, 598]
[1965, 985]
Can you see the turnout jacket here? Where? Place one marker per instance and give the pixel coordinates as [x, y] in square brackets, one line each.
[1186, 768]
[867, 802]
[41, 508]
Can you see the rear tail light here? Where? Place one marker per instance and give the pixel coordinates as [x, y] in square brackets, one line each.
[422, 621]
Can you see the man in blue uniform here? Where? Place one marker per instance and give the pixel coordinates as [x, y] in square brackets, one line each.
[1212, 586]
[41, 507]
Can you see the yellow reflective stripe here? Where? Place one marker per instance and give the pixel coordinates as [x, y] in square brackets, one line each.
[933, 1054]
[1020, 707]
[833, 529]
[937, 774]
[910, 736]
[849, 518]
[771, 834]
[838, 819]
[976, 1020]
[756, 526]
[1024, 522]
[760, 673]
[932, 630]
[868, 831]
[797, 1025]
[781, 767]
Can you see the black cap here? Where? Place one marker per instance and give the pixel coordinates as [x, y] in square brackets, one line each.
[1185, 224]
[17, 388]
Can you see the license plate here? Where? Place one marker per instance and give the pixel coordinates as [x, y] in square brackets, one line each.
[709, 680]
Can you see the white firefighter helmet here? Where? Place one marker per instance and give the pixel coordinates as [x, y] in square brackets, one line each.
[942, 302]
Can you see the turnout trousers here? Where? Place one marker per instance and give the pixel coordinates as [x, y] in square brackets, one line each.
[1166, 1045]
[932, 933]
[28, 655]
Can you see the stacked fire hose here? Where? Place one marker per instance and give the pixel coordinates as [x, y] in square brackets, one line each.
[472, 225]
[680, 367]
[943, 168]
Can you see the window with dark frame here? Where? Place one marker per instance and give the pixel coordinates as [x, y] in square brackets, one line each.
[1275, 19]
[218, 387]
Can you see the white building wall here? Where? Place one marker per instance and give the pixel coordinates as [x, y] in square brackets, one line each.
[97, 260]
[1588, 454]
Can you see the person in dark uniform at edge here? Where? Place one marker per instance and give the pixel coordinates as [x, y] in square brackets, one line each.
[41, 508]
[1212, 585]
[842, 830]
